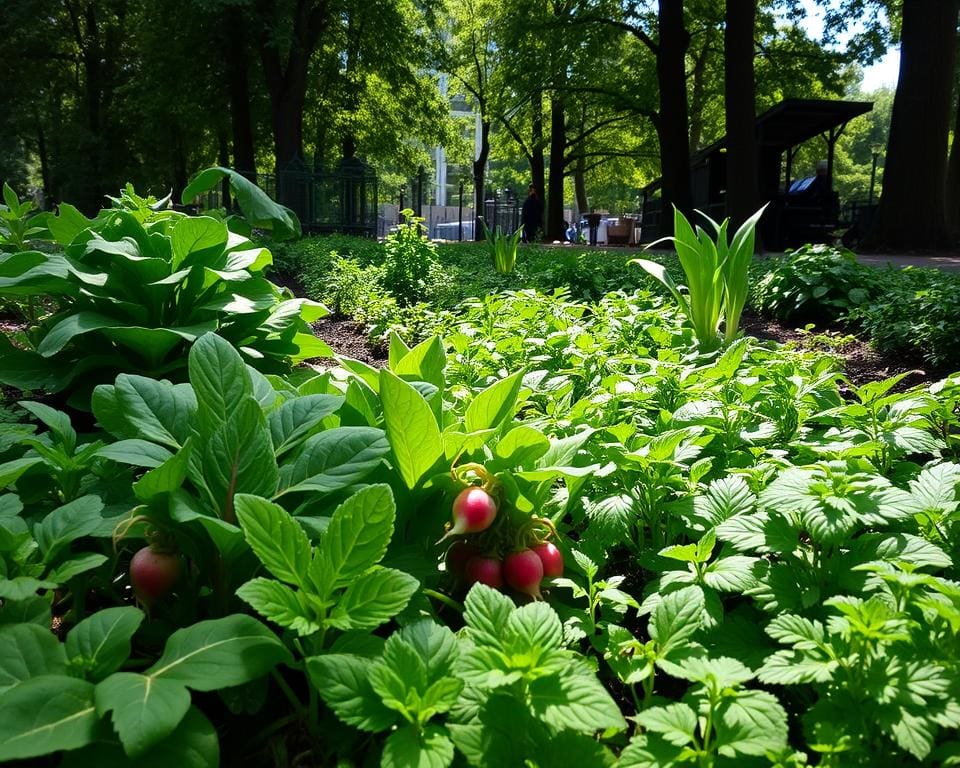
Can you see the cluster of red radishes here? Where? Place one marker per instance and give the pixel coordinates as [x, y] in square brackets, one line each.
[521, 556]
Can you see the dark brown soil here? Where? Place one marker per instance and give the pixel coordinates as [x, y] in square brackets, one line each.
[347, 338]
[859, 361]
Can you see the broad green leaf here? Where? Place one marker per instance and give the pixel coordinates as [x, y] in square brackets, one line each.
[575, 701]
[193, 744]
[373, 598]
[145, 709]
[258, 209]
[67, 524]
[56, 421]
[521, 446]
[100, 644]
[238, 457]
[75, 566]
[397, 350]
[23, 587]
[436, 644]
[67, 224]
[357, 536]
[425, 362]
[344, 683]
[195, 239]
[166, 478]
[294, 420]
[280, 604]
[723, 672]
[10, 471]
[157, 410]
[139, 453]
[46, 714]
[494, 405]
[411, 429]
[335, 459]
[26, 651]
[219, 653]
[72, 326]
[406, 748]
[220, 381]
[731, 574]
[677, 723]
[275, 537]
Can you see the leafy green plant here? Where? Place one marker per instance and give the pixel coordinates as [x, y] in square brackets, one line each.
[815, 282]
[135, 288]
[717, 273]
[17, 225]
[61, 696]
[503, 247]
[410, 267]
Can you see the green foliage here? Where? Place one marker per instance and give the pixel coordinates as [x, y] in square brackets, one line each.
[717, 273]
[503, 247]
[410, 267]
[815, 282]
[139, 284]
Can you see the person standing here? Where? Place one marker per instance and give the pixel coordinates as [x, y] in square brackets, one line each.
[532, 214]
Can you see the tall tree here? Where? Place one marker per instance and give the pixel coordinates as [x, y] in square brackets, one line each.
[953, 173]
[739, 101]
[912, 212]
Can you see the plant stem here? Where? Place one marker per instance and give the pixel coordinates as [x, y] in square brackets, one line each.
[442, 598]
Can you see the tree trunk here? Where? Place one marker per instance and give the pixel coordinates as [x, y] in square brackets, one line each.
[739, 102]
[580, 183]
[698, 97]
[672, 122]
[538, 169]
[479, 174]
[287, 80]
[244, 152]
[912, 213]
[953, 175]
[44, 161]
[224, 160]
[558, 142]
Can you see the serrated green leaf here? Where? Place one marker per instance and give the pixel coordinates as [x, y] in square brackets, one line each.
[751, 723]
[677, 723]
[533, 629]
[275, 538]
[731, 574]
[356, 538]
[677, 618]
[574, 701]
[343, 681]
[406, 748]
[280, 604]
[486, 614]
[373, 598]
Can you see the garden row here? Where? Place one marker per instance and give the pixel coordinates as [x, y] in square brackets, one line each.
[738, 564]
[912, 312]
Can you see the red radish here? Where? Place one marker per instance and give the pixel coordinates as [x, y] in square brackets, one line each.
[551, 557]
[153, 573]
[524, 571]
[473, 511]
[485, 570]
[458, 556]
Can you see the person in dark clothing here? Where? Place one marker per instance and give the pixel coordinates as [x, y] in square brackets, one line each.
[531, 214]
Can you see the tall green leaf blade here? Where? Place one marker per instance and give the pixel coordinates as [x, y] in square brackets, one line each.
[219, 653]
[145, 710]
[411, 429]
[46, 714]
